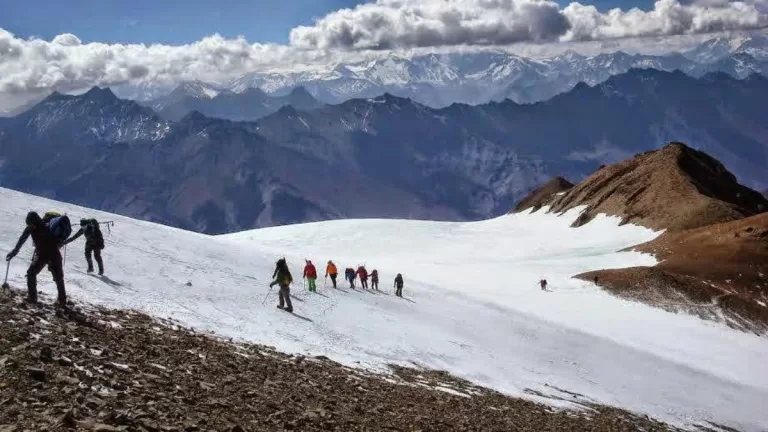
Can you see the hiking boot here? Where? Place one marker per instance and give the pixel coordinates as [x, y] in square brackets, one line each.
[32, 300]
[280, 307]
[61, 303]
[90, 270]
[288, 310]
[101, 272]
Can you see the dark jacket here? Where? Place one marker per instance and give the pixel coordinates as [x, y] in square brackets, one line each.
[399, 281]
[93, 236]
[45, 243]
[282, 275]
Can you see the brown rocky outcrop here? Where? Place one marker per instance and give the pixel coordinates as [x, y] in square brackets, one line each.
[674, 188]
[718, 272]
[543, 194]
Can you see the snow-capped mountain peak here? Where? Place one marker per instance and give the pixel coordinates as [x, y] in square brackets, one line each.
[96, 113]
[198, 89]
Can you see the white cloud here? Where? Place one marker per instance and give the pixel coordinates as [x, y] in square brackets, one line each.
[66, 63]
[388, 24]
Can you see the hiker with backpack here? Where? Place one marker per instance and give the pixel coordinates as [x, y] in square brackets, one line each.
[94, 242]
[375, 279]
[399, 285]
[310, 274]
[349, 274]
[362, 273]
[330, 270]
[47, 238]
[282, 277]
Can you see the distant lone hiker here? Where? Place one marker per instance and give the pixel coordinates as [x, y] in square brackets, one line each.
[310, 273]
[543, 284]
[94, 242]
[399, 285]
[47, 240]
[282, 277]
[331, 271]
[362, 273]
[349, 274]
[375, 279]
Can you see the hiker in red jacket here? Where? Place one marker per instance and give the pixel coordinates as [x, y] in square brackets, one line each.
[310, 274]
[362, 273]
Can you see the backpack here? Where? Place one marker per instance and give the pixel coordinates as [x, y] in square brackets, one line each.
[50, 214]
[92, 230]
[59, 227]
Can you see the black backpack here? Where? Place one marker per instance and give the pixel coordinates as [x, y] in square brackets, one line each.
[92, 232]
[59, 227]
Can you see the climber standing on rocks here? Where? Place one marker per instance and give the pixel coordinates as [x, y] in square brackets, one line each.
[282, 277]
[47, 238]
[310, 274]
[331, 271]
[94, 242]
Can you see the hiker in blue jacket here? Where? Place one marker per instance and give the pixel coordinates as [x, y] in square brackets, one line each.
[46, 253]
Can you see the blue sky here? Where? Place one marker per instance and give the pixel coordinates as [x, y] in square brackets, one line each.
[179, 21]
[162, 21]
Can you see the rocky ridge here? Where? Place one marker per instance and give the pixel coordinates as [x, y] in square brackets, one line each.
[110, 370]
[714, 251]
[674, 188]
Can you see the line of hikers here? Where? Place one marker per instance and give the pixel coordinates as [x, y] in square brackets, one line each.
[283, 278]
[52, 232]
[49, 234]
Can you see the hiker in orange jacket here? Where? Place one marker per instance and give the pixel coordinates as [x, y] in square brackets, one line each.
[310, 273]
[331, 271]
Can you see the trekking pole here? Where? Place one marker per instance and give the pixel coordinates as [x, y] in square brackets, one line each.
[265, 297]
[5, 283]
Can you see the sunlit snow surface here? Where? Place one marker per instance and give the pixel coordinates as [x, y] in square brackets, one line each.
[473, 306]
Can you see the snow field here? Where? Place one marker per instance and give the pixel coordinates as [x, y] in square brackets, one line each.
[473, 306]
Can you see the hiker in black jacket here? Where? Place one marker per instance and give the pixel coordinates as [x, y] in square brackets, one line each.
[46, 253]
[399, 285]
[94, 242]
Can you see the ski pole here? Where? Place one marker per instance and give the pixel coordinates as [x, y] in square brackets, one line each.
[5, 282]
[265, 297]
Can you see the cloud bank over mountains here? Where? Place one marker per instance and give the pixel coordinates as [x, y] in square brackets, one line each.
[33, 67]
[388, 24]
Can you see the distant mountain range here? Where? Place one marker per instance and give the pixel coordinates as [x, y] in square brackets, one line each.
[250, 104]
[379, 157]
[438, 80]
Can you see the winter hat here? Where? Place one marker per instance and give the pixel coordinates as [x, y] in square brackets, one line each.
[33, 218]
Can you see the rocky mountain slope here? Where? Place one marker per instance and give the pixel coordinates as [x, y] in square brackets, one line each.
[718, 272]
[675, 188]
[380, 157]
[543, 195]
[248, 105]
[714, 252]
[106, 370]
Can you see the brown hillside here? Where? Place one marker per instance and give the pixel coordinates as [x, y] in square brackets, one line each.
[717, 272]
[107, 370]
[543, 194]
[674, 188]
